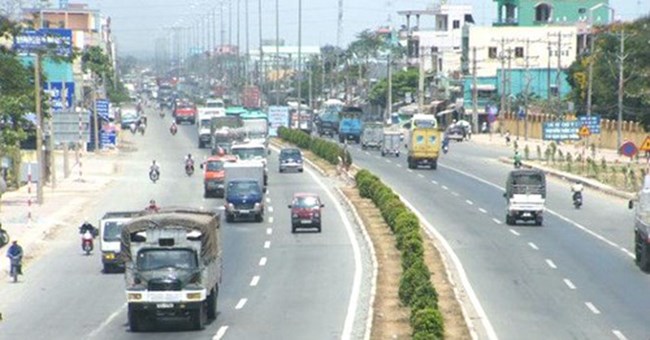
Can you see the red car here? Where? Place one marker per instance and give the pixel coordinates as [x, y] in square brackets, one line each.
[306, 211]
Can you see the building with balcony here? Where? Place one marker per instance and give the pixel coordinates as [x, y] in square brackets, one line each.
[549, 12]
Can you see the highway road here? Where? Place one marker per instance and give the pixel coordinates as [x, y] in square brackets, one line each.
[275, 285]
[573, 278]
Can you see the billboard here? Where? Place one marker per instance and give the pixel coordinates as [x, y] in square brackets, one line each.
[58, 91]
[592, 122]
[57, 39]
[278, 116]
[561, 130]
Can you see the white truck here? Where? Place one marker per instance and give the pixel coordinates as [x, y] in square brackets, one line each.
[204, 124]
[257, 130]
[252, 151]
[372, 135]
[173, 267]
[525, 196]
[244, 190]
[110, 230]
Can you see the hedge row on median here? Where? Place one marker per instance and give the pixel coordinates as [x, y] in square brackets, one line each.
[415, 289]
[325, 149]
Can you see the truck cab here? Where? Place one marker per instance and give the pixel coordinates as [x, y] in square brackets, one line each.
[525, 196]
[423, 141]
[214, 174]
[244, 190]
[350, 125]
[110, 230]
[372, 135]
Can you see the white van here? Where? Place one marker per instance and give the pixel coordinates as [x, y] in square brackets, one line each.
[110, 229]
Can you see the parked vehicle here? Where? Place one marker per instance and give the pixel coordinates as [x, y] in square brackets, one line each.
[214, 175]
[350, 125]
[244, 192]
[290, 159]
[173, 267]
[423, 141]
[306, 211]
[642, 227]
[391, 143]
[110, 230]
[525, 196]
[372, 135]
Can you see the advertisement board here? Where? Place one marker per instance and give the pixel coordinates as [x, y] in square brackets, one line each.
[278, 116]
[567, 130]
[58, 39]
[592, 122]
[58, 91]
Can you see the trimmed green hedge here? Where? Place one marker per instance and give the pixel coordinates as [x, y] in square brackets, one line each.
[325, 149]
[415, 288]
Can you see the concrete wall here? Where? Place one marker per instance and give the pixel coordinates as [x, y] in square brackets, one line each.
[606, 139]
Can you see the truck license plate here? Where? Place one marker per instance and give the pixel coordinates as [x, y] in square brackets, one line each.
[305, 221]
[526, 214]
[244, 211]
[165, 305]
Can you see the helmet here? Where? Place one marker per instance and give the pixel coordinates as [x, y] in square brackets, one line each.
[189, 155]
[152, 202]
[153, 162]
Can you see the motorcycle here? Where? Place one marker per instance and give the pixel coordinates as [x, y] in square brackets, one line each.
[189, 168]
[173, 129]
[15, 267]
[87, 242]
[4, 238]
[154, 175]
[133, 128]
[162, 113]
[577, 199]
[141, 128]
[445, 148]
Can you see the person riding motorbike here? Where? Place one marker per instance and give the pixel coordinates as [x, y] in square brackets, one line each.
[15, 255]
[445, 144]
[517, 159]
[576, 189]
[87, 227]
[189, 162]
[152, 207]
[4, 236]
[154, 167]
[173, 128]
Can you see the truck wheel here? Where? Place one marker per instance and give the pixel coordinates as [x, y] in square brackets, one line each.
[434, 165]
[293, 228]
[509, 220]
[136, 321]
[212, 303]
[410, 162]
[318, 226]
[198, 317]
[642, 254]
[383, 154]
[539, 220]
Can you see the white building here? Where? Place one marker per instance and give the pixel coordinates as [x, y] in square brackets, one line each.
[519, 45]
[440, 40]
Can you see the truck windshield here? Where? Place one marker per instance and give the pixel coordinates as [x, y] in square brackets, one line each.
[154, 259]
[206, 123]
[425, 123]
[241, 188]
[214, 166]
[249, 153]
[112, 231]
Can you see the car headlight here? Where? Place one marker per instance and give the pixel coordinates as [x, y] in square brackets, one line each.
[134, 296]
[109, 256]
[193, 296]
[294, 215]
[316, 215]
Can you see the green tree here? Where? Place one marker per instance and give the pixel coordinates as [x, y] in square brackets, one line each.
[95, 61]
[403, 82]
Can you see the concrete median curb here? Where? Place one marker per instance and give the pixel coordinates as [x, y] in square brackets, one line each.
[574, 178]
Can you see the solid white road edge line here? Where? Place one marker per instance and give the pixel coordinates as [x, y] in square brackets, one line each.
[255, 280]
[569, 284]
[556, 214]
[241, 303]
[220, 333]
[375, 266]
[356, 282]
[464, 281]
[263, 261]
[107, 321]
[592, 308]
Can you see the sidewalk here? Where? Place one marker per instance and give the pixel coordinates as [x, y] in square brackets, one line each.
[63, 206]
[610, 156]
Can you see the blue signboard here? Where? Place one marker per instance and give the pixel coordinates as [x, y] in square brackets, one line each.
[58, 91]
[107, 138]
[592, 122]
[561, 130]
[58, 39]
[102, 108]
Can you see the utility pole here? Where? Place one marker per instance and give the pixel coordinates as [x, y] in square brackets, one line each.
[261, 62]
[508, 87]
[590, 74]
[311, 98]
[389, 95]
[621, 83]
[246, 70]
[474, 92]
[230, 22]
[277, 53]
[239, 74]
[39, 128]
[548, 74]
[559, 69]
[421, 81]
[299, 62]
[502, 56]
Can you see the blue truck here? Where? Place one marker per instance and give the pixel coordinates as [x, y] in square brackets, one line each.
[244, 190]
[350, 124]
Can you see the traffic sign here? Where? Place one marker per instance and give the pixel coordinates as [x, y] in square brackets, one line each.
[561, 130]
[584, 131]
[645, 146]
[628, 149]
[592, 122]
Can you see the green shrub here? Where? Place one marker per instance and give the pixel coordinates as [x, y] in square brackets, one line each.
[393, 208]
[428, 324]
[406, 222]
[412, 249]
[425, 296]
[323, 148]
[416, 275]
[365, 184]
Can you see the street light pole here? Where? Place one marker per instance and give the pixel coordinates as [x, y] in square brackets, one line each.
[261, 62]
[277, 53]
[39, 128]
[592, 53]
[619, 123]
[299, 61]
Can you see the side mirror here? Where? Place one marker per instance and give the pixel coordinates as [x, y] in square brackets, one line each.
[289, 206]
[322, 205]
[630, 204]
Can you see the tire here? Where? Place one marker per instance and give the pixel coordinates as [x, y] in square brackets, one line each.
[410, 163]
[212, 303]
[383, 154]
[397, 155]
[509, 220]
[259, 218]
[539, 220]
[642, 254]
[198, 317]
[434, 165]
[318, 226]
[230, 218]
[280, 170]
[136, 323]
[293, 229]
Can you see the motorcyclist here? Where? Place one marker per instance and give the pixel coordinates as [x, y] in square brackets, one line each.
[152, 207]
[576, 189]
[87, 227]
[173, 128]
[445, 144]
[517, 159]
[15, 253]
[189, 161]
[154, 167]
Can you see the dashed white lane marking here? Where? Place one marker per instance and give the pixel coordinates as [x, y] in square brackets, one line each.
[269, 231]
[270, 219]
[270, 209]
[220, 333]
[107, 321]
[496, 221]
[592, 308]
[444, 187]
[482, 210]
[201, 208]
[421, 175]
[455, 194]
[268, 191]
[469, 202]
[367, 153]
[618, 334]
[387, 160]
[409, 170]
[434, 182]
[514, 232]
[376, 156]
[399, 165]
[255, 280]
[241, 304]
[569, 284]
[268, 200]
[262, 261]
[267, 244]
[533, 245]
[551, 264]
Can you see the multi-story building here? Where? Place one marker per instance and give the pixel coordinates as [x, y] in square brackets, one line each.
[545, 12]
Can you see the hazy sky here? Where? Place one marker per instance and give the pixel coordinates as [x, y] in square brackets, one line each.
[136, 23]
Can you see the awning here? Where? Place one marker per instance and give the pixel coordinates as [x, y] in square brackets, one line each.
[485, 87]
[442, 113]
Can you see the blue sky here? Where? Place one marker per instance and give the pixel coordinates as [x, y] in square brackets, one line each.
[136, 23]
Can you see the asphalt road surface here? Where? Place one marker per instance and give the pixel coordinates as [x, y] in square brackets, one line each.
[572, 278]
[276, 285]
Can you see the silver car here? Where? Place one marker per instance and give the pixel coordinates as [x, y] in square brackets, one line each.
[290, 159]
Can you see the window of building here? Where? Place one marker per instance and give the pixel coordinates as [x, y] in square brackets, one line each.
[519, 52]
[456, 24]
[542, 12]
[492, 52]
[582, 10]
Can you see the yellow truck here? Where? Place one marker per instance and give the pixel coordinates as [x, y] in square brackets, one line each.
[423, 141]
